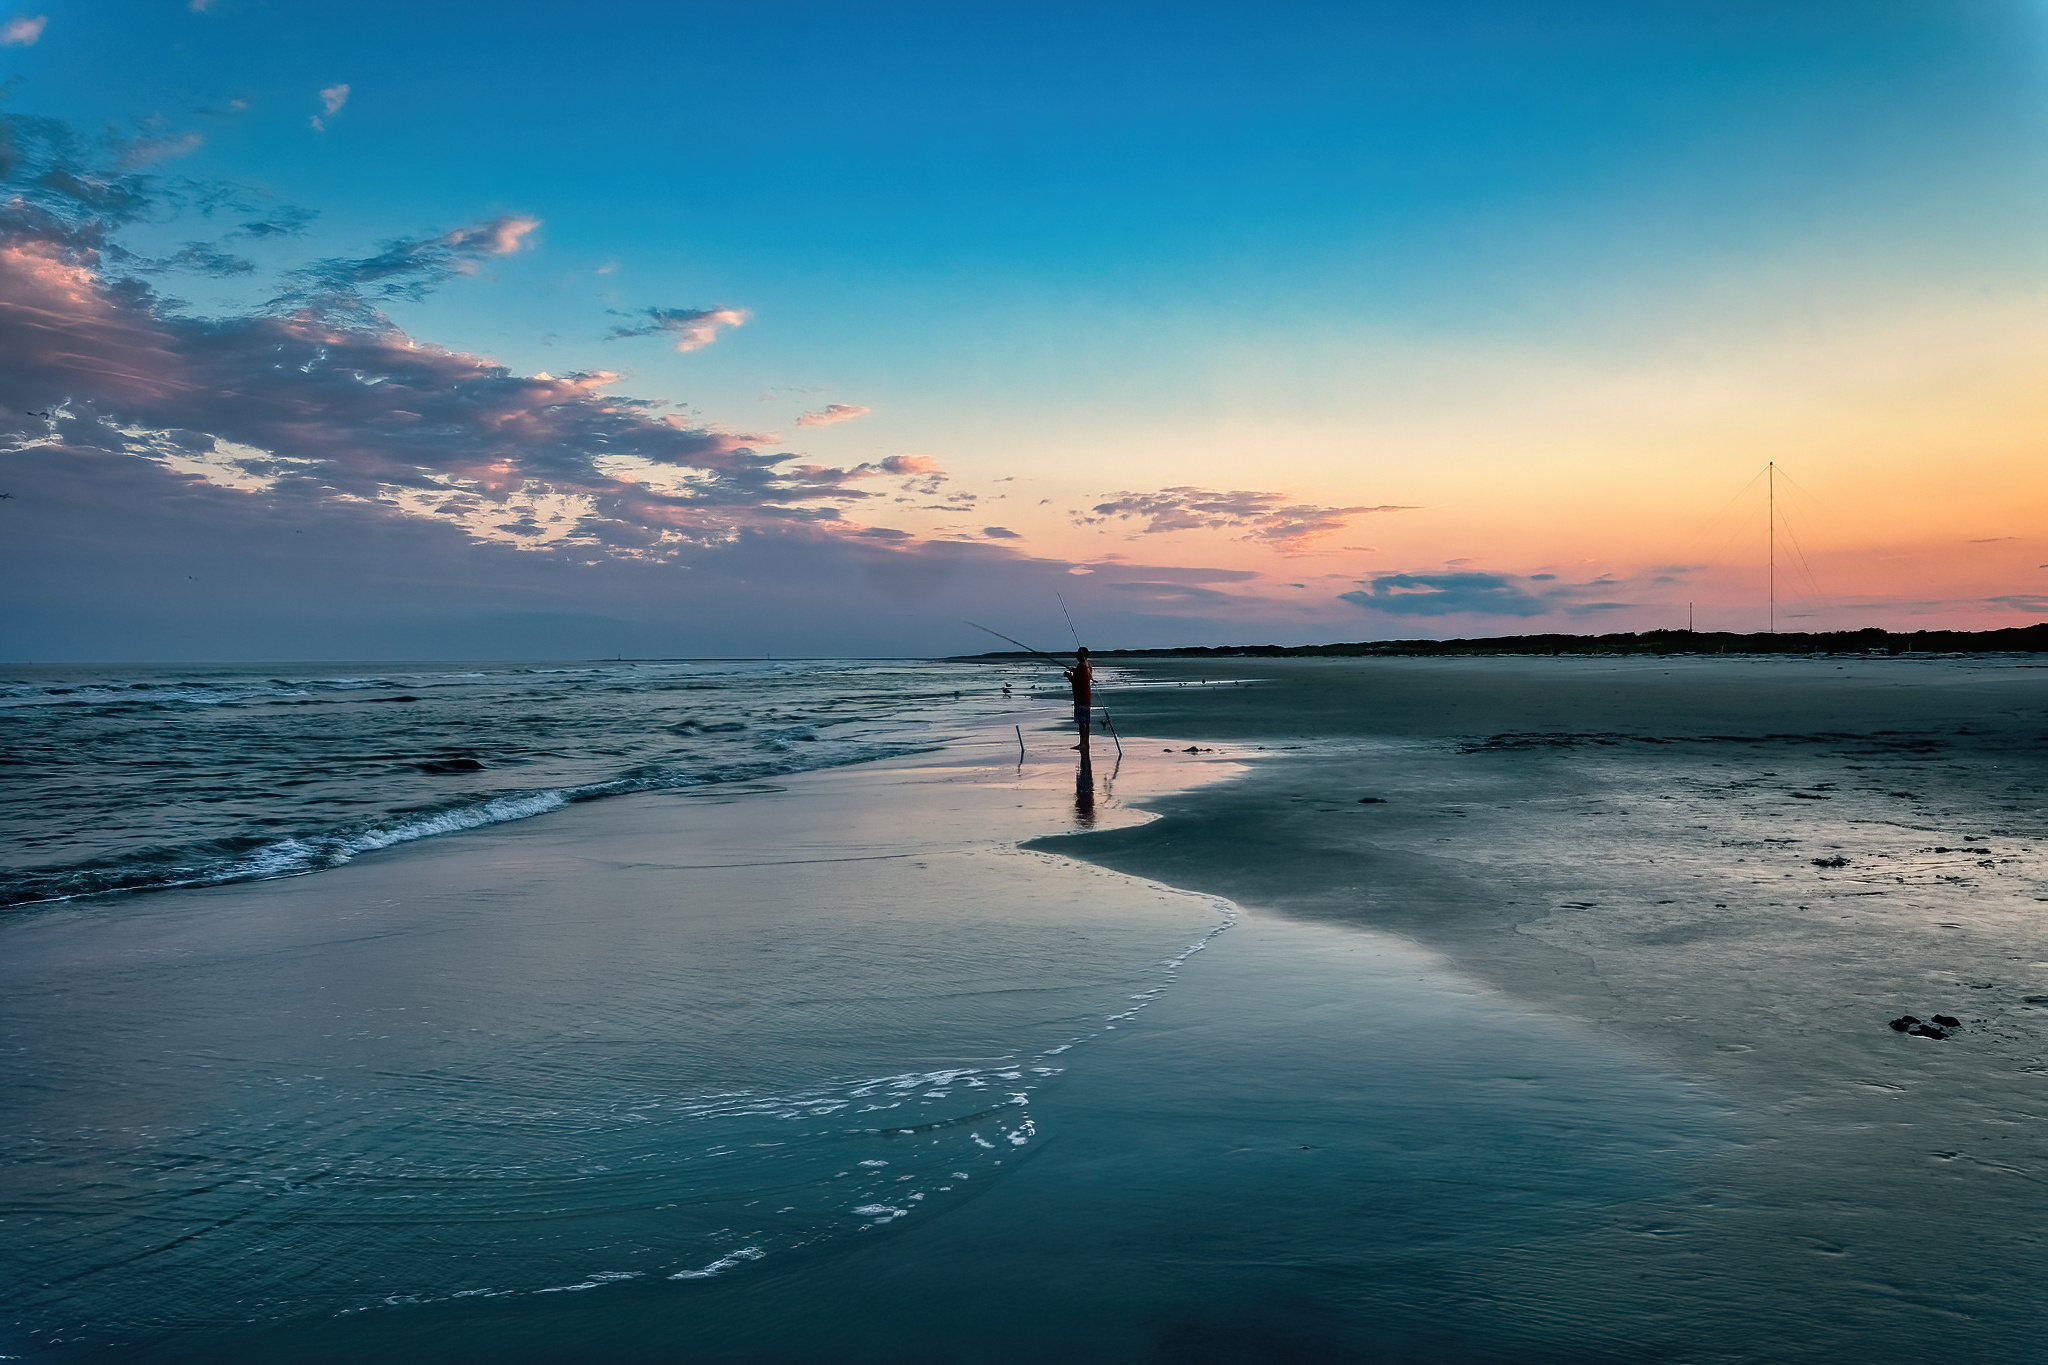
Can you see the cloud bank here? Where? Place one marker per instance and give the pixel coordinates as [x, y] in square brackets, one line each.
[314, 395]
[340, 486]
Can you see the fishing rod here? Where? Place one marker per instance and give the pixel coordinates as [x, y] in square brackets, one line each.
[1070, 619]
[1019, 643]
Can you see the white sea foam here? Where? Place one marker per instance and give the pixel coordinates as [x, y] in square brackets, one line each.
[595, 1280]
[725, 1262]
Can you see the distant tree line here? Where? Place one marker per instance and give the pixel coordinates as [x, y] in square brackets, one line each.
[1870, 640]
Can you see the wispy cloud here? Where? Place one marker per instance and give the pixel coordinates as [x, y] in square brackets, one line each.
[921, 474]
[908, 464]
[1446, 594]
[692, 328]
[147, 151]
[1158, 593]
[1266, 518]
[1481, 594]
[832, 412]
[331, 101]
[198, 258]
[1000, 533]
[345, 289]
[23, 30]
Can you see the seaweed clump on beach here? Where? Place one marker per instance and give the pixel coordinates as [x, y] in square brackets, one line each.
[1938, 1027]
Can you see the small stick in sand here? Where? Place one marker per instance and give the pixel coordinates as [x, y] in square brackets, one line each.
[1020, 745]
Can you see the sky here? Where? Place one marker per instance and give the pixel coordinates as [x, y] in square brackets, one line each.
[464, 331]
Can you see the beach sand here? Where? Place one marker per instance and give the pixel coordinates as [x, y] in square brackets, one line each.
[1650, 847]
[1542, 1056]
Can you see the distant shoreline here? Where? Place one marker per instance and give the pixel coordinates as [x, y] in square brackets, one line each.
[1872, 640]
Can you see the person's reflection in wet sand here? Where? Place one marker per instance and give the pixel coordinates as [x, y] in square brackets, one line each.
[1084, 786]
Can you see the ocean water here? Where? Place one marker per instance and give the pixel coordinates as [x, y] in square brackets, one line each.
[134, 777]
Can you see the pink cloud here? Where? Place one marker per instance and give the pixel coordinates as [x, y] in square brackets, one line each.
[830, 413]
[23, 30]
[692, 328]
[500, 236]
[60, 332]
[920, 474]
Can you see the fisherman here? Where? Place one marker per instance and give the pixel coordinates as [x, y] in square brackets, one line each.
[1082, 677]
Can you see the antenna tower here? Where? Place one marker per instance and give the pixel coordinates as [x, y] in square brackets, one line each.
[1771, 516]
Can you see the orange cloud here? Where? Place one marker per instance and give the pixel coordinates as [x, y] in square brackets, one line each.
[832, 412]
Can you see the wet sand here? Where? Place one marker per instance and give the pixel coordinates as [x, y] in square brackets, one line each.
[1650, 848]
[819, 1068]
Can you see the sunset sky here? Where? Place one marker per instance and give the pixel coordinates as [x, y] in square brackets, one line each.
[453, 330]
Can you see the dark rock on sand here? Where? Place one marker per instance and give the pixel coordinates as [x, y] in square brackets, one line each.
[1837, 861]
[1904, 1022]
[1948, 1021]
[1372, 800]
[1927, 1031]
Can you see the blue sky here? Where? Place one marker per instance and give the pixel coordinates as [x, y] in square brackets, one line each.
[1451, 257]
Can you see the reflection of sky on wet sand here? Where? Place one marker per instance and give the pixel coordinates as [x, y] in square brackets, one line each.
[700, 1024]
[710, 1067]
